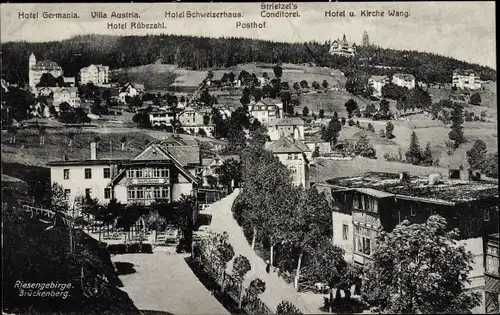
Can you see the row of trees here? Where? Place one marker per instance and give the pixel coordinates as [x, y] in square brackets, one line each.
[292, 223]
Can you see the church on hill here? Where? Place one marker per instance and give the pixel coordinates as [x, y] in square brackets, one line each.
[343, 48]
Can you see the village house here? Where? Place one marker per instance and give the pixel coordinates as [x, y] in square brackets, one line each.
[492, 274]
[130, 90]
[291, 127]
[404, 80]
[161, 118]
[97, 74]
[343, 48]
[376, 200]
[193, 120]
[210, 167]
[377, 82]
[60, 95]
[266, 111]
[295, 155]
[37, 68]
[466, 79]
[164, 170]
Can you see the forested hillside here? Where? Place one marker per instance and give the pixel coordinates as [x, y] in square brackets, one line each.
[201, 52]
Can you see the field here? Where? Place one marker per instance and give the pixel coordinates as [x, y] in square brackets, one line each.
[329, 101]
[28, 150]
[327, 169]
[427, 130]
[167, 77]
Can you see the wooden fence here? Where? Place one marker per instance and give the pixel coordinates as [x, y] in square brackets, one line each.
[48, 214]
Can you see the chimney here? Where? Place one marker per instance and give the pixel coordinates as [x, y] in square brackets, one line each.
[93, 151]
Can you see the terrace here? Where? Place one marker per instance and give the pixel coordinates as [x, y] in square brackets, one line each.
[443, 190]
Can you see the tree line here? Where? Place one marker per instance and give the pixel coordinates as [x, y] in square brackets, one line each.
[195, 52]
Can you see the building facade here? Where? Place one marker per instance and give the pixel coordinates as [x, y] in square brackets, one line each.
[466, 79]
[383, 200]
[296, 156]
[377, 82]
[266, 111]
[154, 174]
[291, 127]
[492, 274]
[161, 118]
[97, 74]
[193, 120]
[404, 80]
[342, 48]
[60, 95]
[38, 68]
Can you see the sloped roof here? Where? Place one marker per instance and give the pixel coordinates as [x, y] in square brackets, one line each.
[379, 78]
[47, 64]
[405, 76]
[185, 154]
[176, 140]
[285, 145]
[287, 121]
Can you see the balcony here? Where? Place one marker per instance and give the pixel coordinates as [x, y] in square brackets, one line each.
[148, 181]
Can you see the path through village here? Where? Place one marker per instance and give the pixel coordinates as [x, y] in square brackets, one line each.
[277, 289]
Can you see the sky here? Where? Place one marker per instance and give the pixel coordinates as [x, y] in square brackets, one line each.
[463, 30]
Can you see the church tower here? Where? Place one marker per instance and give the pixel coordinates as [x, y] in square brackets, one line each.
[366, 40]
[31, 64]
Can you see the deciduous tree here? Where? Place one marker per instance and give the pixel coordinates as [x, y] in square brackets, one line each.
[420, 269]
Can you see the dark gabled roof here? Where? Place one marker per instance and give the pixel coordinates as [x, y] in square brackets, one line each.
[405, 76]
[185, 154]
[285, 145]
[448, 192]
[287, 121]
[87, 162]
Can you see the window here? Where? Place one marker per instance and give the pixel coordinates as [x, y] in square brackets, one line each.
[165, 173]
[130, 173]
[88, 173]
[362, 240]
[165, 193]
[131, 193]
[295, 156]
[107, 172]
[492, 260]
[140, 192]
[67, 192]
[138, 173]
[88, 192]
[345, 231]
[107, 193]
[289, 157]
[66, 173]
[156, 192]
[148, 173]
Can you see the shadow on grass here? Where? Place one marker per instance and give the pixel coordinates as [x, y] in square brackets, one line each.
[124, 268]
[210, 284]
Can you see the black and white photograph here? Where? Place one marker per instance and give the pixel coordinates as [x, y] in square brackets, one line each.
[249, 158]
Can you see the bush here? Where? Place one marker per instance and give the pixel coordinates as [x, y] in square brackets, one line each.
[382, 133]
[350, 122]
[287, 308]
